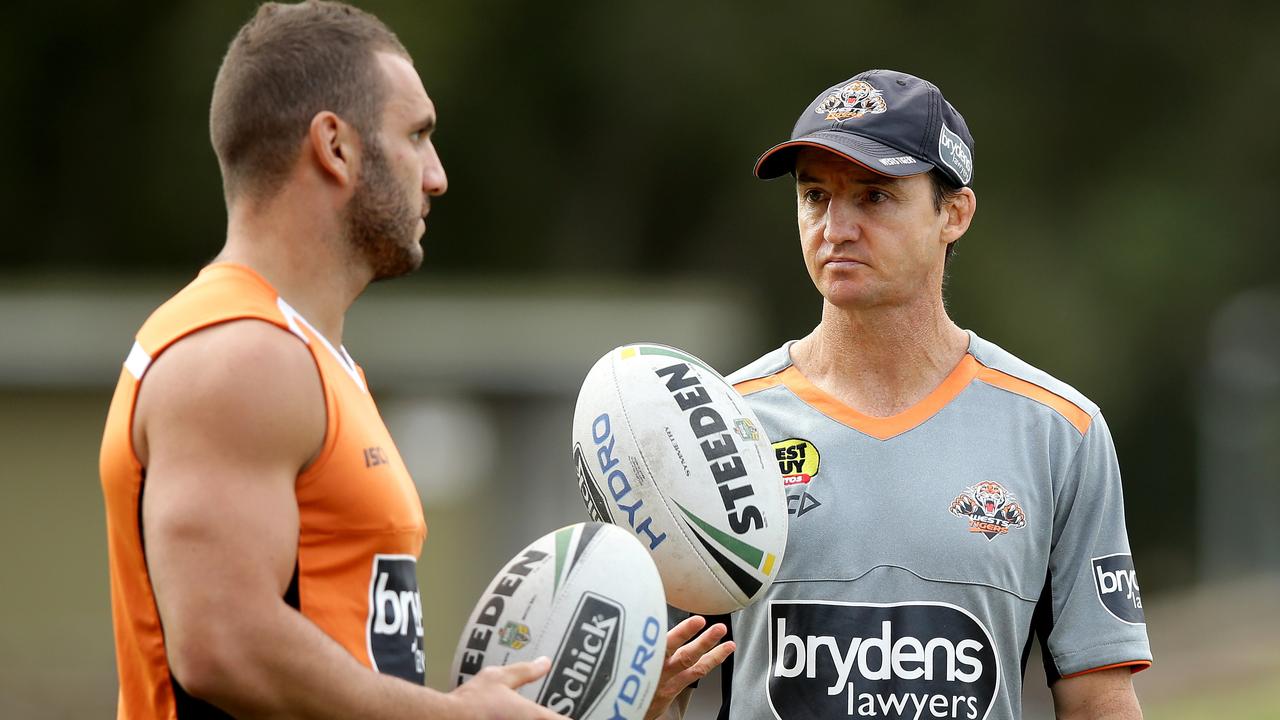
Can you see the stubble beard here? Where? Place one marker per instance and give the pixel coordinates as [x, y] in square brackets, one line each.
[381, 223]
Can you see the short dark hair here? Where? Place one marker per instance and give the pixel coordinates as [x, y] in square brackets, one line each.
[944, 190]
[288, 63]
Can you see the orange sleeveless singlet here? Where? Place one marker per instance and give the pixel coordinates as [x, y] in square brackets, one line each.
[361, 527]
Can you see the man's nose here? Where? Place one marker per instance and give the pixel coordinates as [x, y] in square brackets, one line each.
[842, 222]
[434, 180]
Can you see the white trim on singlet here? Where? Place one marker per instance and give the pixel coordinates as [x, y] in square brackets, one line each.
[293, 317]
[138, 361]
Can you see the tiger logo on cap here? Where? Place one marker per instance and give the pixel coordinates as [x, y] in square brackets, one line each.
[854, 100]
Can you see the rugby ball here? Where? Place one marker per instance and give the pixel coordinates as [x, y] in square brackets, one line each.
[588, 597]
[666, 448]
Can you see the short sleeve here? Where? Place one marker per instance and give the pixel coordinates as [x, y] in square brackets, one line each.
[1091, 616]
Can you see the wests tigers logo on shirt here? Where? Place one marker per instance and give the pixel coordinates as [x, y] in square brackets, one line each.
[990, 508]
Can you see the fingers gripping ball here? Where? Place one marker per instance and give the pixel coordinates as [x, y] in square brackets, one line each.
[667, 449]
[588, 597]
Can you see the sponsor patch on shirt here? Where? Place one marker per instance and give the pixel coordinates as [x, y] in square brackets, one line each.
[798, 461]
[900, 660]
[990, 509]
[1117, 583]
[395, 618]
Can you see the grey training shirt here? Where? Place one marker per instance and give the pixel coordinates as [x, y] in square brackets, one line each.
[925, 548]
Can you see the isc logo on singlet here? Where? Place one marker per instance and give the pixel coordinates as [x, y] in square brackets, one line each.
[395, 618]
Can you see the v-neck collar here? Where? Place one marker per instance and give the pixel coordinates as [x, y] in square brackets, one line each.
[881, 428]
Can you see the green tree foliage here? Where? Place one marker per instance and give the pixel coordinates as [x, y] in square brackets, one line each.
[1124, 161]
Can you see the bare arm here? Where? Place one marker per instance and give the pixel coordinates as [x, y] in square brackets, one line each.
[225, 421]
[1101, 695]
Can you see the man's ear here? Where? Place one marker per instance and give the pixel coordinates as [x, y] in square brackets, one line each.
[335, 145]
[959, 210]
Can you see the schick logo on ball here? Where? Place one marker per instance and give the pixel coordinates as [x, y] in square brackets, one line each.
[584, 664]
[912, 660]
[1117, 585]
[395, 618]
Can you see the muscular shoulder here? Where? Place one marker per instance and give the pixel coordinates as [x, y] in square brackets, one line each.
[246, 384]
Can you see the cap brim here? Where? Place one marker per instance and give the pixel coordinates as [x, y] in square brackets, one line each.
[870, 154]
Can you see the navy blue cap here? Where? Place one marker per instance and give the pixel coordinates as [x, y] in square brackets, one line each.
[890, 122]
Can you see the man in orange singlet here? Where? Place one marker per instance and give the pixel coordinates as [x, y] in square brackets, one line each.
[262, 529]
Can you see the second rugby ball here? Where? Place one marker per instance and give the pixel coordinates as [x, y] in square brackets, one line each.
[588, 597]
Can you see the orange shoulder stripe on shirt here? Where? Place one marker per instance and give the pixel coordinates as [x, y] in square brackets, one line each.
[1064, 407]
[1134, 665]
[746, 387]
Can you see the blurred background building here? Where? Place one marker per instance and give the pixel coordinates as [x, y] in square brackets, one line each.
[599, 158]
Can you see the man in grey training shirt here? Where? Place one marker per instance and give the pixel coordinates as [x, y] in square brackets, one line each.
[948, 501]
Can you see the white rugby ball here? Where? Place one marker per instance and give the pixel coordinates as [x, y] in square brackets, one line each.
[588, 597]
[665, 447]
